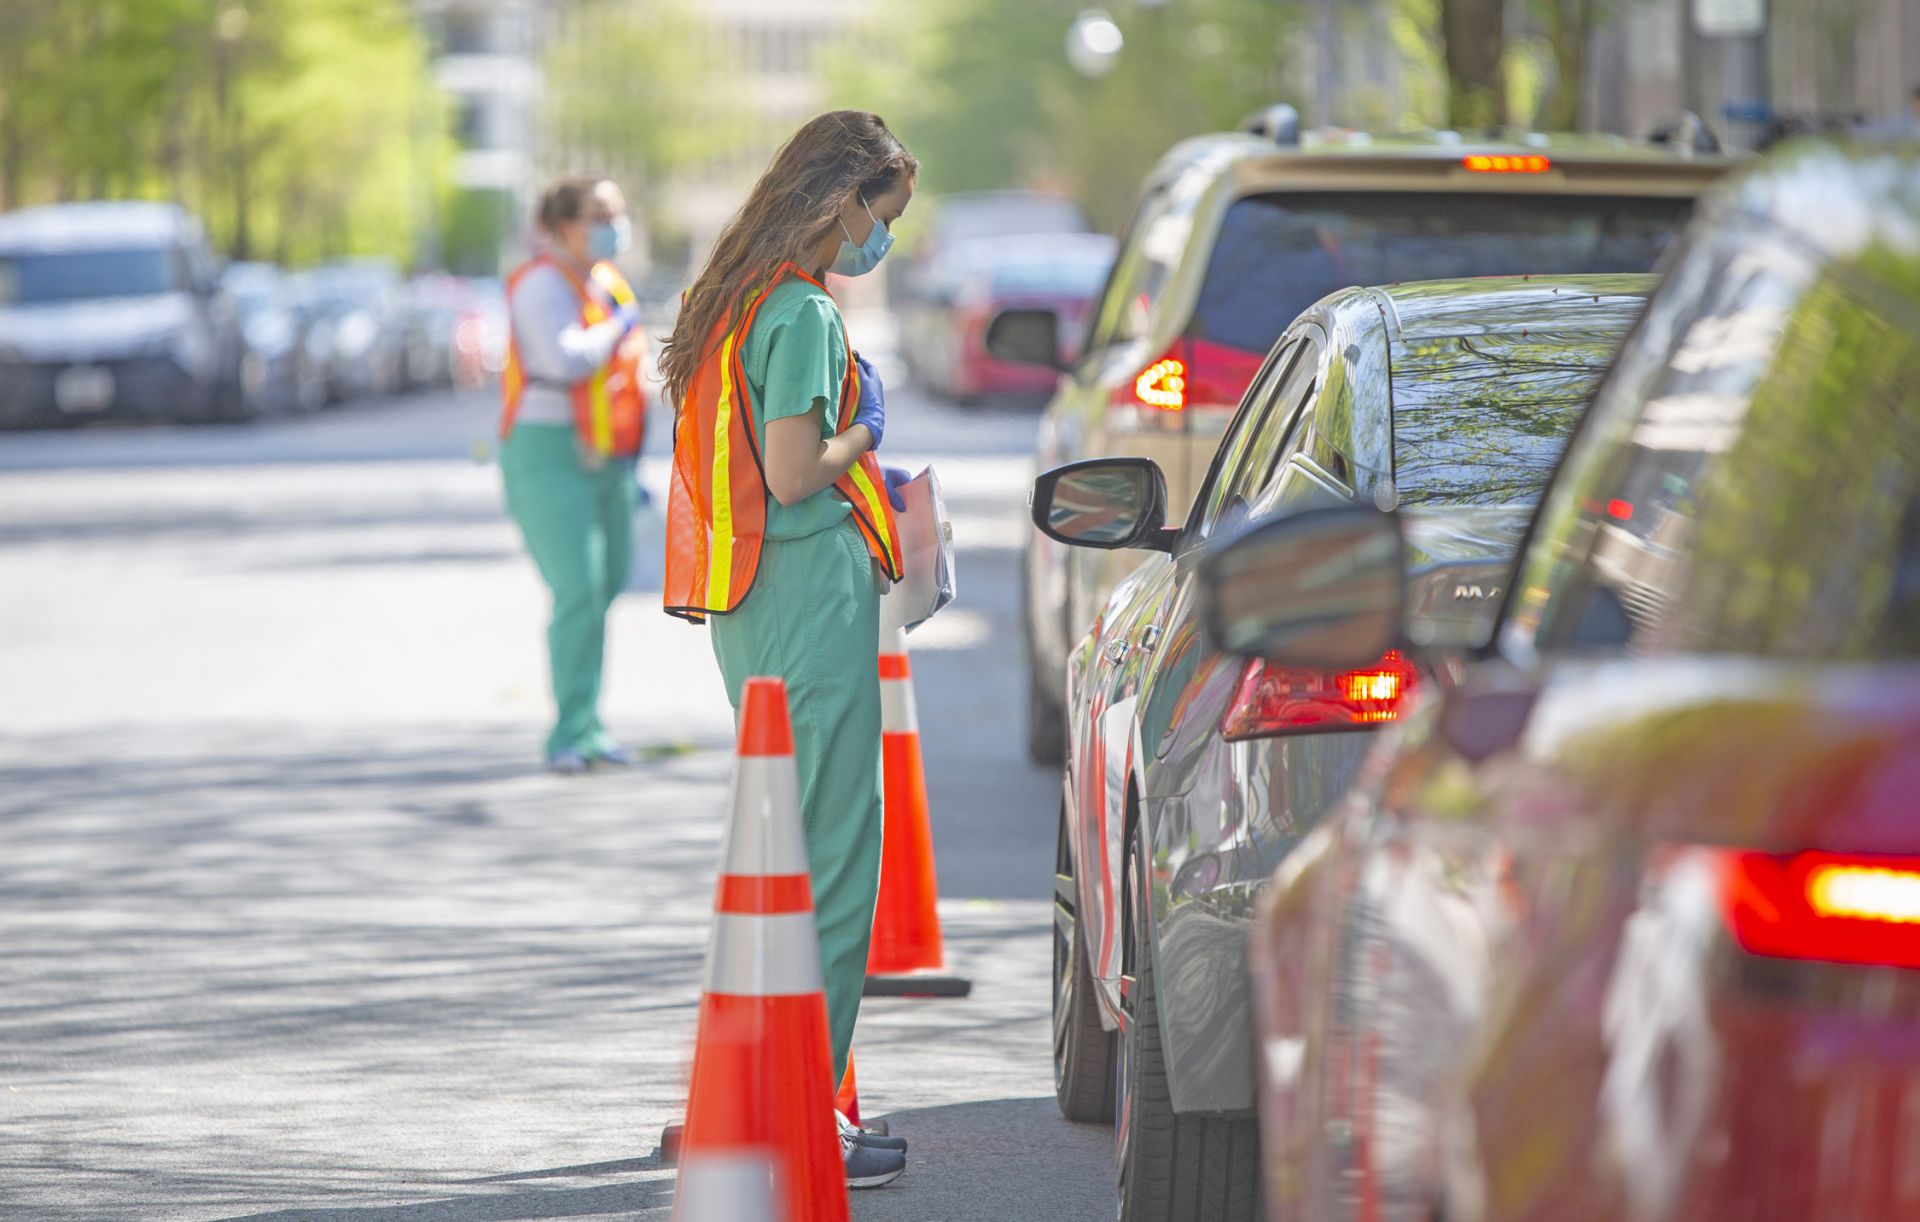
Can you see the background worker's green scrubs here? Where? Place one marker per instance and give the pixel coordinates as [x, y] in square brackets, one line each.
[576, 516]
[812, 618]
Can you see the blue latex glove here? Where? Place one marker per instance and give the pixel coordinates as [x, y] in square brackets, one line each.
[628, 316]
[872, 408]
[896, 476]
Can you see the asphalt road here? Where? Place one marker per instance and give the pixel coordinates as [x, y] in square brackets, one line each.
[293, 927]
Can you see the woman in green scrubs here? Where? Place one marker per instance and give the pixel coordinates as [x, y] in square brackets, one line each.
[812, 615]
[575, 511]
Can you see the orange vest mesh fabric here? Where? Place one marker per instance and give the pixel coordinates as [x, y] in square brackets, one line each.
[717, 499]
[610, 405]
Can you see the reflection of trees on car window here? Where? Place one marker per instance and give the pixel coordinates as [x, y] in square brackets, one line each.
[1803, 530]
[1766, 497]
[1481, 420]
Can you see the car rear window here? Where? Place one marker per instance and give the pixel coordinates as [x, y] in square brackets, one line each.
[961, 220]
[1071, 277]
[81, 275]
[1278, 254]
[1482, 419]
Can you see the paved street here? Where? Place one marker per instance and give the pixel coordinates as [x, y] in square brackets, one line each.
[295, 928]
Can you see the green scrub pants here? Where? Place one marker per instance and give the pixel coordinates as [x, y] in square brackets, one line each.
[578, 524]
[813, 619]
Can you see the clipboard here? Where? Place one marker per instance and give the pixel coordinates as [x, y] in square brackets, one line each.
[926, 556]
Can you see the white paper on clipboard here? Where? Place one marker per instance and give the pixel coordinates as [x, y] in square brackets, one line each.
[926, 555]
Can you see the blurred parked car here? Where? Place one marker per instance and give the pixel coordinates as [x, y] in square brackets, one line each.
[278, 372]
[1236, 233]
[114, 310]
[1189, 773]
[361, 301]
[318, 329]
[947, 329]
[925, 275]
[1624, 925]
[481, 334]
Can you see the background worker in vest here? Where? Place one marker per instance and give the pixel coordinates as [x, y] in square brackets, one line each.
[570, 431]
[779, 522]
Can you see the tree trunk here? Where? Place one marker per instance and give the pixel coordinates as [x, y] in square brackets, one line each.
[1472, 33]
[1568, 24]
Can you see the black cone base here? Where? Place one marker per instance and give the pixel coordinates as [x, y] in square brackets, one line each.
[915, 984]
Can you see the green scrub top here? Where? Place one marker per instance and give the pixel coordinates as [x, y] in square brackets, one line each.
[795, 359]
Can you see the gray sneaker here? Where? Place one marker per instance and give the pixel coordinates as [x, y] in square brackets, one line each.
[867, 1137]
[868, 1167]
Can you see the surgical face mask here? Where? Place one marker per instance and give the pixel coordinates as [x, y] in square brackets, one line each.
[859, 260]
[609, 238]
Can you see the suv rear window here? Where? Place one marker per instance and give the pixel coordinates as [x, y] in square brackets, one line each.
[1278, 254]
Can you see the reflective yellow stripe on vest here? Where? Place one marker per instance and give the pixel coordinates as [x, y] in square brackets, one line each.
[720, 562]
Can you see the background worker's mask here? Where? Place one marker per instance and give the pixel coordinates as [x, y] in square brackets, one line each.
[610, 238]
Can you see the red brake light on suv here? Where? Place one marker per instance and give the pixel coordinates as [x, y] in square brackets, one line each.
[1835, 907]
[1275, 699]
[1194, 375]
[1528, 163]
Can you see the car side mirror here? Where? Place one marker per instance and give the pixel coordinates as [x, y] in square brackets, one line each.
[1026, 337]
[1105, 503]
[1324, 588]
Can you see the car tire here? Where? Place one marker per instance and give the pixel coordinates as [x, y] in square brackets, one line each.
[1046, 711]
[1046, 723]
[1083, 1050]
[1173, 1167]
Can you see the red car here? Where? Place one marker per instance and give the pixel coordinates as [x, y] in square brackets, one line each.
[1060, 272]
[1623, 922]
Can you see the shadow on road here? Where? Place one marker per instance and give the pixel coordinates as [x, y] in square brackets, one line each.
[1025, 1142]
[601, 1200]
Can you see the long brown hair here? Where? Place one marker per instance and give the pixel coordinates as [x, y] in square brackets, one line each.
[789, 212]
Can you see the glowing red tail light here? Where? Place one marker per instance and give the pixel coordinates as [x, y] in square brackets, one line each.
[1527, 163]
[1163, 384]
[1291, 699]
[1196, 374]
[1836, 907]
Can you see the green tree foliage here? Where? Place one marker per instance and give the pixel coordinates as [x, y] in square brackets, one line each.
[297, 128]
[637, 91]
[982, 92]
[1472, 40]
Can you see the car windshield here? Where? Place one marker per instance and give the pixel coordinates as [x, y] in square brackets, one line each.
[1278, 254]
[1070, 277]
[81, 275]
[961, 220]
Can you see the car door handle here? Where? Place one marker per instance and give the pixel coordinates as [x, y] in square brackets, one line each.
[1150, 637]
[1118, 651]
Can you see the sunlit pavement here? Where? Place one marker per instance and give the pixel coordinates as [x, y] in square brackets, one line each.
[293, 926]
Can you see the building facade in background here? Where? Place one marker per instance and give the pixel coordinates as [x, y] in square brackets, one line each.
[1782, 65]
[759, 69]
[486, 58]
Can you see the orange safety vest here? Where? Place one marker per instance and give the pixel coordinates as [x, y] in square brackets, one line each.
[717, 500]
[609, 405]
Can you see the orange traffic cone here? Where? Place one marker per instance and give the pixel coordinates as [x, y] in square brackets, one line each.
[759, 1141]
[847, 1102]
[906, 958]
